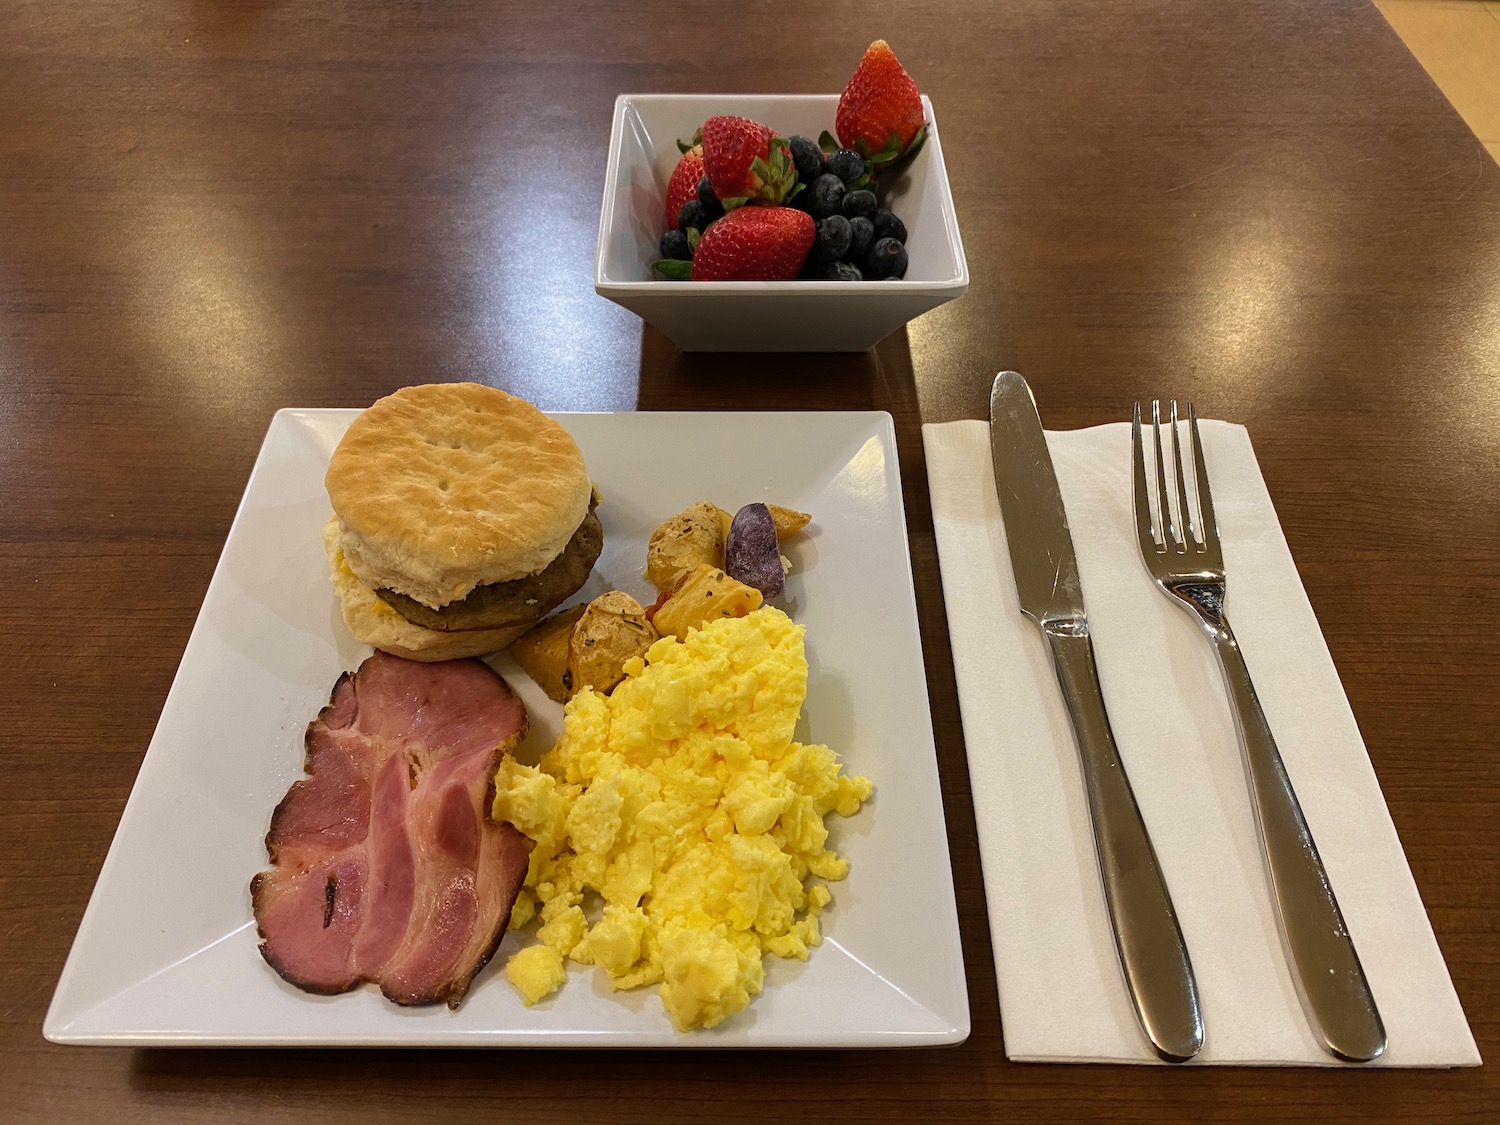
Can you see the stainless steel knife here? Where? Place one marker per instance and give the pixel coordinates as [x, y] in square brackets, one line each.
[1153, 956]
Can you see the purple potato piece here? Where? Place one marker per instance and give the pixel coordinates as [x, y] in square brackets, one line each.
[751, 555]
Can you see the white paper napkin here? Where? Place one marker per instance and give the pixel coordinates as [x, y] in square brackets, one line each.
[1062, 998]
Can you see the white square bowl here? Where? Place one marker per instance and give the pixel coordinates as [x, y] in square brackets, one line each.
[764, 316]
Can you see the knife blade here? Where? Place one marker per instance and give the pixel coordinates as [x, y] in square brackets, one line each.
[1148, 939]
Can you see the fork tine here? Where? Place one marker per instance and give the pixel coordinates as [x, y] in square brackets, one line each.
[1189, 538]
[1143, 527]
[1168, 529]
[1208, 526]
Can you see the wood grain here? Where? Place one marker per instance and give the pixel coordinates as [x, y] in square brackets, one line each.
[210, 210]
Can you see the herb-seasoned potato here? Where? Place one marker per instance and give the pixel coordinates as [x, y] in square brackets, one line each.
[725, 519]
[751, 551]
[683, 543]
[788, 521]
[706, 594]
[542, 653]
[612, 630]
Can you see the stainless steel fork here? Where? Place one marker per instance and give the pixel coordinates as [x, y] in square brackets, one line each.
[1184, 558]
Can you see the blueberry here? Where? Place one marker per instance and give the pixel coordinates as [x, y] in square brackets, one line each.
[861, 237]
[691, 214]
[674, 244]
[847, 166]
[887, 260]
[825, 195]
[807, 157]
[712, 208]
[888, 226]
[838, 271]
[859, 202]
[832, 242]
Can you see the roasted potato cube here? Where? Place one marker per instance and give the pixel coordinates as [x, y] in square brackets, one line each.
[751, 551]
[683, 543]
[707, 594]
[788, 521]
[725, 519]
[613, 629]
[542, 653]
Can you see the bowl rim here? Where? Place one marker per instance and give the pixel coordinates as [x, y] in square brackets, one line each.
[841, 290]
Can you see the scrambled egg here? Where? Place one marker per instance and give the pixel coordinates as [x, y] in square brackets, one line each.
[681, 816]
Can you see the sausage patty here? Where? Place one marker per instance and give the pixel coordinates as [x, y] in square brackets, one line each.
[518, 601]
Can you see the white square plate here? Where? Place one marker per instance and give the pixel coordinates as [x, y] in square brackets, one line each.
[166, 953]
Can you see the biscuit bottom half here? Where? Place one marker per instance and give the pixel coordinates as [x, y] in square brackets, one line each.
[375, 623]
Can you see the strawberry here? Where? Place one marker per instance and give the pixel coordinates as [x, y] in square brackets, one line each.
[684, 182]
[755, 244]
[880, 110]
[745, 160]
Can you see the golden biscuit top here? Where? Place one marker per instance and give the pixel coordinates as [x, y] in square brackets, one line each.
[443, 487]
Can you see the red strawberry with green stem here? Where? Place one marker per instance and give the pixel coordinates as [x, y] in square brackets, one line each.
[755, 244]
[745, 160]
[880, 111]
[684, 182]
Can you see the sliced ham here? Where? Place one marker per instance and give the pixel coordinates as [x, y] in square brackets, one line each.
[385, 864]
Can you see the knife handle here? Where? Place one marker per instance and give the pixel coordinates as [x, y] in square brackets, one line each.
[1153, 955]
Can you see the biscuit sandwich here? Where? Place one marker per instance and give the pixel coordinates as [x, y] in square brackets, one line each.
[461, 517]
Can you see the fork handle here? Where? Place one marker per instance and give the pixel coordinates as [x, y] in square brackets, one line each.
[1324, 963]
[1148, 939]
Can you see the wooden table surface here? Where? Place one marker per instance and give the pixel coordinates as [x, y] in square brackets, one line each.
[211, 210]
